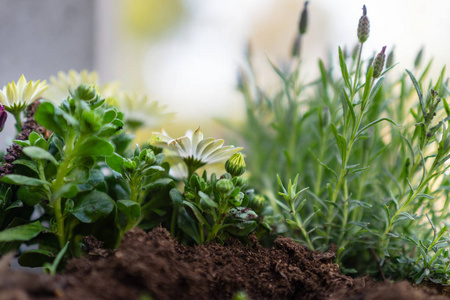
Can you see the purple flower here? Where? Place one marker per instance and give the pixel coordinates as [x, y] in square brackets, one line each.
[3, 117]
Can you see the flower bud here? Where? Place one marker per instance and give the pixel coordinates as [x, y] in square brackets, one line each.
[303, 24]
[240, 181]
[235, 165]
[378, 63]
[86, 92]
[363, 27]
[224, 185]
[129, 165]
[257, 203]
[3, 117]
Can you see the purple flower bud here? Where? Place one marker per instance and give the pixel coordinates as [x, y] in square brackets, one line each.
[363, 27]
[3, 117]
[378, 63]
[303, 24]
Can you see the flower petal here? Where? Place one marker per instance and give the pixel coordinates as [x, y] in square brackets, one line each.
[211, 148]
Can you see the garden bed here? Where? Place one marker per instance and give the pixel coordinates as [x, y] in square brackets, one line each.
[154, 266]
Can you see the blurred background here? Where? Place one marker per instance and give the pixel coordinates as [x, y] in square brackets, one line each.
[186, 53]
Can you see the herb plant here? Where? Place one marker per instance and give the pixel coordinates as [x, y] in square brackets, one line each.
[370, 159]
[368, 154]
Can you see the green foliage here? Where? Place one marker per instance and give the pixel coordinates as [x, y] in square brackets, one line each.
[366, 181]
[213, 208]
[60, 178]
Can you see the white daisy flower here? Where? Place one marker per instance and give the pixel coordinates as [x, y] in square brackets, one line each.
[16, 96]
[193, 149]
[141, 112]
[60, 84]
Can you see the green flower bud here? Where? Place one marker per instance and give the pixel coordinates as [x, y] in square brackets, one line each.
[224, 186]
[303, 24]
[129, 165]
[378, 63]
[363, 27]
[86, 92]
[240, 181]
[257, 203]
[91, 122]
[147, 156]
[235, 165]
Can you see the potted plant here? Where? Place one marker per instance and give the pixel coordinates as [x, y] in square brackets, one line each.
[368, 155]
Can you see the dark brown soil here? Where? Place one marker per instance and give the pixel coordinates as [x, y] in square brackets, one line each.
[153, 266]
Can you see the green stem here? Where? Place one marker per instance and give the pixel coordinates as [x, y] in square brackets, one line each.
[59, 182]
[300, 226]
[342, 179]
[322, 146]
[223, 207]
[358, 66]
[385, 240]
[17, 116]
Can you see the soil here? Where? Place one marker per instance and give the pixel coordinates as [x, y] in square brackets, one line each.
[154, 266]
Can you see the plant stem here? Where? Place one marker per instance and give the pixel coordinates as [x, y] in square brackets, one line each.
[300, 225]
[342, 180]
[59, 182]
[17, 116]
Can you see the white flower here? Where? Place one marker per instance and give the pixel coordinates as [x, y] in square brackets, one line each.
[139, 111]
[60, 84]
[193, 149]
[16, 96]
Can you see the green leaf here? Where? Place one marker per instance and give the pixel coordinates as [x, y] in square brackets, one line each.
[158, 184]
[350, 105]
[27, 163]
[68, 190]
[22, 232]
[360, 203]
[327, 168]
[241, 228]
[26, 196]
[130, 208]
[341, 141]
[79, 174]
[92, 206]
[197, 213]
[188, 225]
[115, 162]
[278, 71]
[23, 180]
[376, 88]
[367, 86]
[96, 177]
[418, 90]
[208, 201]
[376, 122]
[46, 116]
[177, 197]
[95, 146]
[37, 153]
[344, 69]
[36, 258]
[15, 204]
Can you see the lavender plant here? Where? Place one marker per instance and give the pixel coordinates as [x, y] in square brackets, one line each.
[367, 183]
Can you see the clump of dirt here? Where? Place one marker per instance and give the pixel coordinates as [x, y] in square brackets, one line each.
[154, 266]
